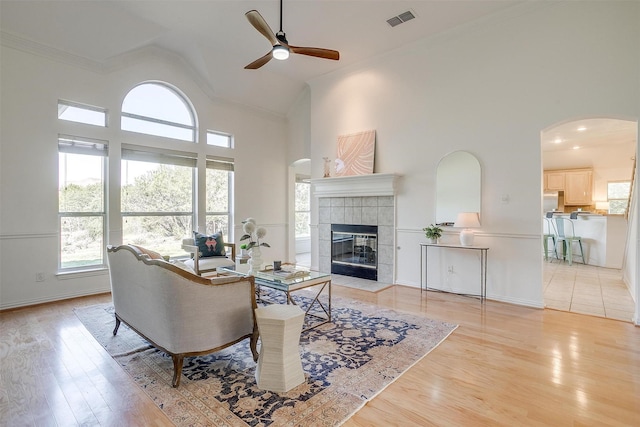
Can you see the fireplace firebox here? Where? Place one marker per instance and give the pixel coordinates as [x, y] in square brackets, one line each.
[354, 250]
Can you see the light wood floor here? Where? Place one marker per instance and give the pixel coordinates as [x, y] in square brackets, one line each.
[505, 365]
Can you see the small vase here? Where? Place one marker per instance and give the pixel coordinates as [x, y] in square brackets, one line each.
[433, 240]
[255, 262]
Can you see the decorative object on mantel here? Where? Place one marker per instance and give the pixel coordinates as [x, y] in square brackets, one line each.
[356, 153]
[467, 221]
[327, 167]
[254, 234]
[433, 233]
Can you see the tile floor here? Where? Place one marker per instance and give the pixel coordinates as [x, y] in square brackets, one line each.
[586, 289]
[577, 288]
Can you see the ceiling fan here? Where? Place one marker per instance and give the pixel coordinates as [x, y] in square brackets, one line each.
[281, 47]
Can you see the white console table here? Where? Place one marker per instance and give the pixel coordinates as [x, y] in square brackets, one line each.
[424, 266]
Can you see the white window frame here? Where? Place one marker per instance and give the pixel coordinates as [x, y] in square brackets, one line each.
[161, 156]
[224, 164]
[219, 135]
[79, 108]
[306, 181]
[92, 147]
[193, 128]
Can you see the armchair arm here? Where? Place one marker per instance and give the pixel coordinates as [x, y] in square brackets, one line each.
[233, 250]
[193, 249]
[195, 252]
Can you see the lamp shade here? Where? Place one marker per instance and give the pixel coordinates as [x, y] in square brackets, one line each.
[467, 220]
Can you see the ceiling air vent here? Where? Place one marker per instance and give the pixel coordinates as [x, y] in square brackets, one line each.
[403, 17]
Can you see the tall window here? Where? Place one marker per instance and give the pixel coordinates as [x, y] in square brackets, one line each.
[156, 109]
[157, 198]
[618, 196]
[81, 202]
[302, 207]
[219, 189]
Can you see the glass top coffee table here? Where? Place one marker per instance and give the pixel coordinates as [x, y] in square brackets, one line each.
[292, 279]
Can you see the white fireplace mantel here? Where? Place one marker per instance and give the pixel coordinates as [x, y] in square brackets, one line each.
[375, 184]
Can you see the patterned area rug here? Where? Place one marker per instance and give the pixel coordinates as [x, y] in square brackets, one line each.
[346, 363]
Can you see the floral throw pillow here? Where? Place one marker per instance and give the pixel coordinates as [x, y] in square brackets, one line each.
[209, 245]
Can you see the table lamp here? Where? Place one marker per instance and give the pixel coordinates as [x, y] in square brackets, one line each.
[467, 221]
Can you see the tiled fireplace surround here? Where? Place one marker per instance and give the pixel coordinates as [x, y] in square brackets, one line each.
[368, 210]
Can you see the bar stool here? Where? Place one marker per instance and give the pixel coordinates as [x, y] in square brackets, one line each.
[549, 233]
[567, 235]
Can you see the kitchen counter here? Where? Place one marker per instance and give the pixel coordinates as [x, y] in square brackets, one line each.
[603, 238]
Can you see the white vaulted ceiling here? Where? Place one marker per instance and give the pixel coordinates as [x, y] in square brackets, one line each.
[216, 41]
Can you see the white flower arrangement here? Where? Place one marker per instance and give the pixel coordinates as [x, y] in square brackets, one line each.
[253, 233]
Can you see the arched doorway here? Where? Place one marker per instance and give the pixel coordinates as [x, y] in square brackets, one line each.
[600, 152]
[299, 212]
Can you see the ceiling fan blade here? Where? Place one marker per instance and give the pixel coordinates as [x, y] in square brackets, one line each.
[261, 25]
[316, 51]
[259, 62]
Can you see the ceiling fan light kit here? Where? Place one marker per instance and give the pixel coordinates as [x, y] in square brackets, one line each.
[280, 52]
[281, 47]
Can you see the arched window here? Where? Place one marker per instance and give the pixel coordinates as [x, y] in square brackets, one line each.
[157, 109]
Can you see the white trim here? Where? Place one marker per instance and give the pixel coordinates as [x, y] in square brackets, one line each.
[375, 184]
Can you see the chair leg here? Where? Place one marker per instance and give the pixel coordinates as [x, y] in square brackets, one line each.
[581, 251]
[555, 246]
[570, 251]
[545, 245]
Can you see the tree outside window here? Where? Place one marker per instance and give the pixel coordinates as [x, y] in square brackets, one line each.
[156, 204]
[81, 202]
[618, 197]
[302, 208]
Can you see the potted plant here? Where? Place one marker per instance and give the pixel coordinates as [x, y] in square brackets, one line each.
[243, 251]
[433, 233]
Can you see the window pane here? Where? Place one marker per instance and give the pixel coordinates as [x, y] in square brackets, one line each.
[218, 139]
[217, 190]
[162, 234]
[218, 223]
[81, 241]
[153, 187]
[157, 129]
[80, 183]
[617, 206]
[159, 102]
[619, 190]
[76, 113]
[302, 224]
[303, 191]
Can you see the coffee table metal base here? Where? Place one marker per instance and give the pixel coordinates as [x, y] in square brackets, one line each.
[316, 302]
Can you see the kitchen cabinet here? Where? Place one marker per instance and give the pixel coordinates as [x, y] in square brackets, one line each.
[577, 187]
[554, 181]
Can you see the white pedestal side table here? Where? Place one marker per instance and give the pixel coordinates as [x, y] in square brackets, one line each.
[279, 367]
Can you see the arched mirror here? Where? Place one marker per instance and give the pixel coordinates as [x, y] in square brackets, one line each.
[457, 186]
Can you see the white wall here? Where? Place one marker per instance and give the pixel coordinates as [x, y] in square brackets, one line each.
[31, 86]
[489, 89]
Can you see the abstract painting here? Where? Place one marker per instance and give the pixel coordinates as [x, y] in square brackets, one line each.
[356, 153]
